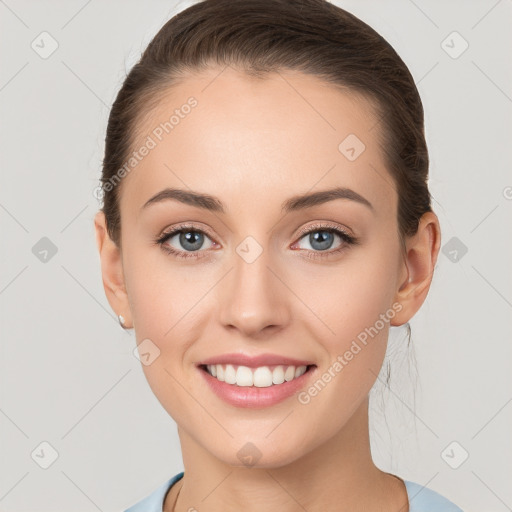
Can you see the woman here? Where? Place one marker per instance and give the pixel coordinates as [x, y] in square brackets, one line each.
[266, 219]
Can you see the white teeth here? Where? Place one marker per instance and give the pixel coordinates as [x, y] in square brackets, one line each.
[244, 376]
[301, 370]
[289, 374]
[278, 375]
[230, 374]
[261, 377]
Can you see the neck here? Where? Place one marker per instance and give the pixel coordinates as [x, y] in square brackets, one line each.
[339, 474]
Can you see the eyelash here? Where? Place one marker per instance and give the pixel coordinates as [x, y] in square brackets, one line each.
[347, 239]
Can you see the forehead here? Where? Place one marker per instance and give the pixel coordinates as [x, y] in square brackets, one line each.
[235, 136]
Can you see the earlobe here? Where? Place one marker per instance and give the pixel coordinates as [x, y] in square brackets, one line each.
[421, 251]
[112, 270]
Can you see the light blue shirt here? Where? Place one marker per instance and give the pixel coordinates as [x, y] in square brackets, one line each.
[421, 499]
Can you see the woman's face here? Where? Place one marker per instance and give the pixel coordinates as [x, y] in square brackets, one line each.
[252, 281]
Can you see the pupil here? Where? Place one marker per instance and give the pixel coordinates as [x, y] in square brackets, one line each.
[322, 238]
[188, 238]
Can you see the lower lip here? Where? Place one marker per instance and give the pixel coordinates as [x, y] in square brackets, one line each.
[254, 397]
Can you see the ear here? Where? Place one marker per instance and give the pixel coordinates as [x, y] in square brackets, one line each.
[421, 251]
[112, 270]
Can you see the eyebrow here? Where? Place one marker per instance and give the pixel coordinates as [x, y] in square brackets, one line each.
[295, 203]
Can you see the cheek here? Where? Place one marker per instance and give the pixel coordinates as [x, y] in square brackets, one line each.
[350, 295]
[163, 304]
[353, 306]
[161, 293]
[168, 304]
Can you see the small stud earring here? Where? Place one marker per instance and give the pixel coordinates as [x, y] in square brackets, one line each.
[121, 321]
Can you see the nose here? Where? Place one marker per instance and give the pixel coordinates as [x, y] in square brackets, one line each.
[254, 301]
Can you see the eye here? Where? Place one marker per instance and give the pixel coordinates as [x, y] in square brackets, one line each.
[320, 238]
[189, 240]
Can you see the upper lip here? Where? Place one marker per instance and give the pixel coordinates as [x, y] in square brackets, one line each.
[254, 361]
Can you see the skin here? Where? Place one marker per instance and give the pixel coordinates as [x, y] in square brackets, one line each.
[254, 143]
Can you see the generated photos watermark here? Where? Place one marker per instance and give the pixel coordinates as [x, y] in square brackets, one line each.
[342, 360]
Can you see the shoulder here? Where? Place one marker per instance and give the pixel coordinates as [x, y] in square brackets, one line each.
[155, 501]
[422, 499]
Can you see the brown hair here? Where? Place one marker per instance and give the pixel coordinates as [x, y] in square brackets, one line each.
[260, 36]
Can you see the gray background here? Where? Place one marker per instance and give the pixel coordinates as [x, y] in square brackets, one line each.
[68, 375]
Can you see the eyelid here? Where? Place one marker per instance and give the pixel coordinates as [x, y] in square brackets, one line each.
[303, 231]
[326, 226]
[182, 227]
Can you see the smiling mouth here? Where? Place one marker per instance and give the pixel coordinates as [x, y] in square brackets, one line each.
[261, 377]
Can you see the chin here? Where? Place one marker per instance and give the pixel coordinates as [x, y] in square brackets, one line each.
[264, 454]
